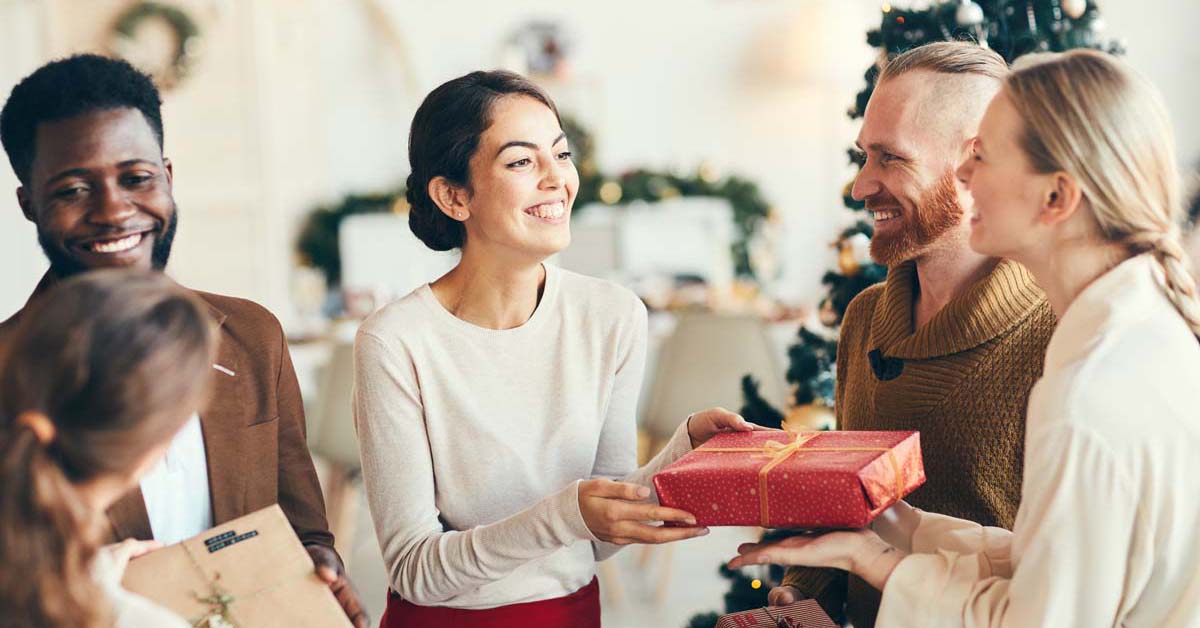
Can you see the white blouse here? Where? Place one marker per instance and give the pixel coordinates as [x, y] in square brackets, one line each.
[1108, 531]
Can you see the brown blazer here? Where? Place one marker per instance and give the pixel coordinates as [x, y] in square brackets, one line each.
[254, 432]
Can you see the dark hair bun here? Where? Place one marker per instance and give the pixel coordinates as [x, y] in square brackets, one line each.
[437, 230]
[444, 135]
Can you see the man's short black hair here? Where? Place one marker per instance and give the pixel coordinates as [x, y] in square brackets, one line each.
[67, 88]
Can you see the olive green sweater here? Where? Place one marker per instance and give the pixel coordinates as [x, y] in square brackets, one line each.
[962, 380]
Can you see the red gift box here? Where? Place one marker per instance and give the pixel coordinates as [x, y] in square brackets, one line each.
[802, 614]
[779, 479]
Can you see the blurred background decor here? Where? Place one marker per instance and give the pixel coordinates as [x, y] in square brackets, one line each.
[647, 192]
[160, 38]
[711, 141]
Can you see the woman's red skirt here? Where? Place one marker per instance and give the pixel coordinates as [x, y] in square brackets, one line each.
[580, 609]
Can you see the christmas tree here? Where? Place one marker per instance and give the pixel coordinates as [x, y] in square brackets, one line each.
[1011, 28]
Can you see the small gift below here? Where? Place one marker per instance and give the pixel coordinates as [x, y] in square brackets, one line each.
[793, 480]
[802, 614]
[251, 572]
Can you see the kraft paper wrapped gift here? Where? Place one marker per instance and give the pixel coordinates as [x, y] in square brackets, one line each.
[802, 614]
[780, 479]
[253, 571]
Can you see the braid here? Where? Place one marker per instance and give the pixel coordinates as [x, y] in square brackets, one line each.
[1178, 281]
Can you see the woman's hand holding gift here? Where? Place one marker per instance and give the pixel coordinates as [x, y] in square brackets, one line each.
[618, 513]
[705, 424]
[128, 550]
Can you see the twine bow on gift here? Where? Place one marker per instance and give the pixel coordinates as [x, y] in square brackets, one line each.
[219, 602]
[779, 452]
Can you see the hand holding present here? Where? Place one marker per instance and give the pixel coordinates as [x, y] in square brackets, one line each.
[616, 512]
[127, 550]
[331, 571]
[705, 424]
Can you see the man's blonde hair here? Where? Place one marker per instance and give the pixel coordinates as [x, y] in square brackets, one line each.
[947, 57]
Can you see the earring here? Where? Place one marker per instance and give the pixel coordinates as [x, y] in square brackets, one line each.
[459, 214]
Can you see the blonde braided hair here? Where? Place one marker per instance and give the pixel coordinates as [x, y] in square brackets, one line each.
[1090, 115]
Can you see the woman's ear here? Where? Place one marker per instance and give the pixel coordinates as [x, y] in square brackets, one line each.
[966, 150]
[1061, 199]
[450, 197]
[40, 424]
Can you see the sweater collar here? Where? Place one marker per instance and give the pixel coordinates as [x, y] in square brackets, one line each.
[985, 310]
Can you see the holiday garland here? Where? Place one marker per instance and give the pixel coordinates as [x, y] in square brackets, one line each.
[317, 243]
[187, 36]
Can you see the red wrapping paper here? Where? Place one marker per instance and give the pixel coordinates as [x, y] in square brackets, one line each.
[787, 480]
[802, 614]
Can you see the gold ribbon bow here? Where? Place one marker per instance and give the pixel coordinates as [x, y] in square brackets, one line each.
[778, 452]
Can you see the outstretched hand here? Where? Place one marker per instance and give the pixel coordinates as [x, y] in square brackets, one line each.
[860, 552]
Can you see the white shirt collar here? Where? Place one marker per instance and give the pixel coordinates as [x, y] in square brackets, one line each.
[1125, 293]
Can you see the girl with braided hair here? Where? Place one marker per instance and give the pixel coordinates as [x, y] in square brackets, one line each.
[1073, 175]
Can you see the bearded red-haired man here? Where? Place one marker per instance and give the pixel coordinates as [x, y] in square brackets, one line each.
[953, 341]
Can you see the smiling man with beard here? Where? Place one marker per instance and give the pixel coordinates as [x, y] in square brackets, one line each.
[84, 136]
[953, 341]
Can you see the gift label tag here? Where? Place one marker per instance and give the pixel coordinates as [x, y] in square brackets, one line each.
[225, 539]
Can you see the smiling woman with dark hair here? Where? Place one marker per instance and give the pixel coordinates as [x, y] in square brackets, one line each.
[496, 405]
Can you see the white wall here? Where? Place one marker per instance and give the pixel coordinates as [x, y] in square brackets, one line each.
[1162, 44]
[299, 101]
[21, 261]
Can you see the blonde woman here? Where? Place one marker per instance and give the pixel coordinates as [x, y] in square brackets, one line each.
[1073, 175]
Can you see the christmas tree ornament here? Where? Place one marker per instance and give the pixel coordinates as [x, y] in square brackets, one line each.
[1074, 8]
[827, 315]
[707, 173]
[610, 192]
[846, 260]
[810, 417]
[968, 13]
[854, 252]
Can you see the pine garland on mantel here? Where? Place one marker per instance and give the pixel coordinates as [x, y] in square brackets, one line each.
[317, 243]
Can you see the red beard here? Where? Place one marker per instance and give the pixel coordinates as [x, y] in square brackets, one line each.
[936, 212]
